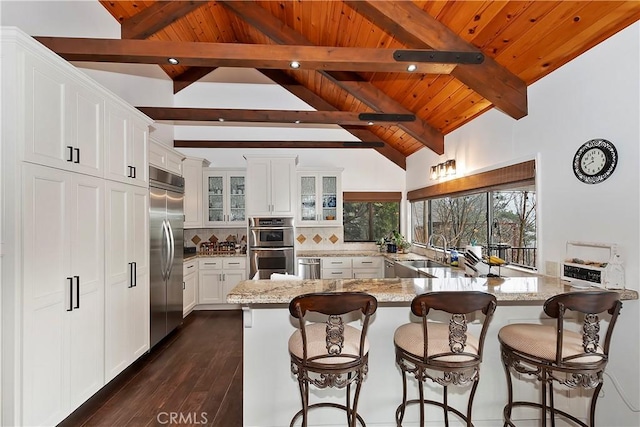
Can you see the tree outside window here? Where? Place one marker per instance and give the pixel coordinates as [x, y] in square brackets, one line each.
[370, 221]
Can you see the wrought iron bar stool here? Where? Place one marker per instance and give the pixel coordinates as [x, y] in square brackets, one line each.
[554, 353]
[444, 353]
[331, 353]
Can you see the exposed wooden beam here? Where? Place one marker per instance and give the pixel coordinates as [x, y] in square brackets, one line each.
[311, 98]
[258, 116]
[415, 28]
[190, 76]
[202, 54]
[277, 31]
[156, 17]
[182, 143]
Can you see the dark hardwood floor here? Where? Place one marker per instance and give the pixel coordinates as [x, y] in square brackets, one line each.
[193, 377]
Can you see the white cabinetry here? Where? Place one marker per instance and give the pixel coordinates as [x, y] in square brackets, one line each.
[64, 232]
[368, 267]
[63, 273]
[319, 198]
[64, 119]
[164, 157]
[271, 186]
[189, 286]
[217, 276]
[336, 268]
[127, 276]
[348, 267]
[224, 197]
[126, 140]
[193, 199]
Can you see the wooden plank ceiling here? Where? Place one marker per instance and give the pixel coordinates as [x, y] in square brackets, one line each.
[522, 41]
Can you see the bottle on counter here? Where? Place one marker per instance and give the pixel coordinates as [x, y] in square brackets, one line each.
[454, 257]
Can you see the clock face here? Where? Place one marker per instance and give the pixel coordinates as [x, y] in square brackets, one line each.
[595, 161]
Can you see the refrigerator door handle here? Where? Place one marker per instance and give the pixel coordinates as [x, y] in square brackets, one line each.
[172, 251]
[164, 252]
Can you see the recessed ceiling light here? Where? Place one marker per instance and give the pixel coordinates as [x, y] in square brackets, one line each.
[173, 61]
[297, 121]
[370, 123]
[220, 119]
[295, 65]
[412, 67]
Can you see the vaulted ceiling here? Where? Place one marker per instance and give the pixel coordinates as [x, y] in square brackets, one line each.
[353, 56]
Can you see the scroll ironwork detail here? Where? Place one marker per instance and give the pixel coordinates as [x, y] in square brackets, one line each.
[457, 333]
[590, 337]
[335, 335]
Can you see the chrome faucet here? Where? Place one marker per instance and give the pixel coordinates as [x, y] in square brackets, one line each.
[444, 247]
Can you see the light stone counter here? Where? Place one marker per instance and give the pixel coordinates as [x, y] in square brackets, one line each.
[354, 253]
[535, 289]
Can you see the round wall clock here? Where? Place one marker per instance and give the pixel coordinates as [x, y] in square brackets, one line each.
[595, 161]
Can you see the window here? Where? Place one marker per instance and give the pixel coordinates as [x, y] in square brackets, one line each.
[494, 209]
[368, 217]
[464, 220]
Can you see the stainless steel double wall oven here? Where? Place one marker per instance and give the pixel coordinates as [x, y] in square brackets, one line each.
[271, 247]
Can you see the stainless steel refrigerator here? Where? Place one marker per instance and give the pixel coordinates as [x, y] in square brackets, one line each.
[166, 224]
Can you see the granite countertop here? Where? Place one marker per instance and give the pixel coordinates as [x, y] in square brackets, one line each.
[189, 257]
[506, 289]
[356, 253]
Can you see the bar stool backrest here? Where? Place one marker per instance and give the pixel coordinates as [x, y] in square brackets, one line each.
[591, 304]
[333, 304]
[458, 304]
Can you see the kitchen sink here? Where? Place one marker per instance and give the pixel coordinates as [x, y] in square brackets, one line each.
[423, 263]
[409, 269]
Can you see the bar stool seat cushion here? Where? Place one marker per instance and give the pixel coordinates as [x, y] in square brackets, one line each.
[539, 341]
[409, 337]
[317, 344]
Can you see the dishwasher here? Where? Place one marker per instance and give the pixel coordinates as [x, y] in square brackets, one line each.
[309, 268]
[389, 269]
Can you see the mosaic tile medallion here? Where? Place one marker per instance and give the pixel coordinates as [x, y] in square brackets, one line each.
[333, 239]
[317, 238]
[195, 239]
[301, 239]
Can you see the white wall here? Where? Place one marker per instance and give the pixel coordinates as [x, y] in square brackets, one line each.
[594, 96]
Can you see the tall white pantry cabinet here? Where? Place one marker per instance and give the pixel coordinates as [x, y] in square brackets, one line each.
[75, 246]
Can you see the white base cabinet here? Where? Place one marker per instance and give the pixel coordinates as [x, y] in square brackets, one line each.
[189, 286]
[127, 276]
[217, 276]
[352, 267]
[63, 273]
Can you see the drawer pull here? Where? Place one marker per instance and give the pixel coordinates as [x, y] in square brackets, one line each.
[190, 266]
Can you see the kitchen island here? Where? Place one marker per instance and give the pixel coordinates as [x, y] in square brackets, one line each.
[270, 392]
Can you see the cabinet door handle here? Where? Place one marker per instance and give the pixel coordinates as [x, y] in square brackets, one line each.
[77, 150]
[130, 275]
[70, 159]
[134, 171]
[70, 279]
[135, 274]
[184, 286]
[129, 173]
[77, 291]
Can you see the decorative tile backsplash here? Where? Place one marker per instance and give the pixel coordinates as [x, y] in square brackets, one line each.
[306, 239]
[194, 237]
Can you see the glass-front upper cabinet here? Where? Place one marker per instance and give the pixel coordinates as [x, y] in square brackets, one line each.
[320, 198]
[224, 197]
